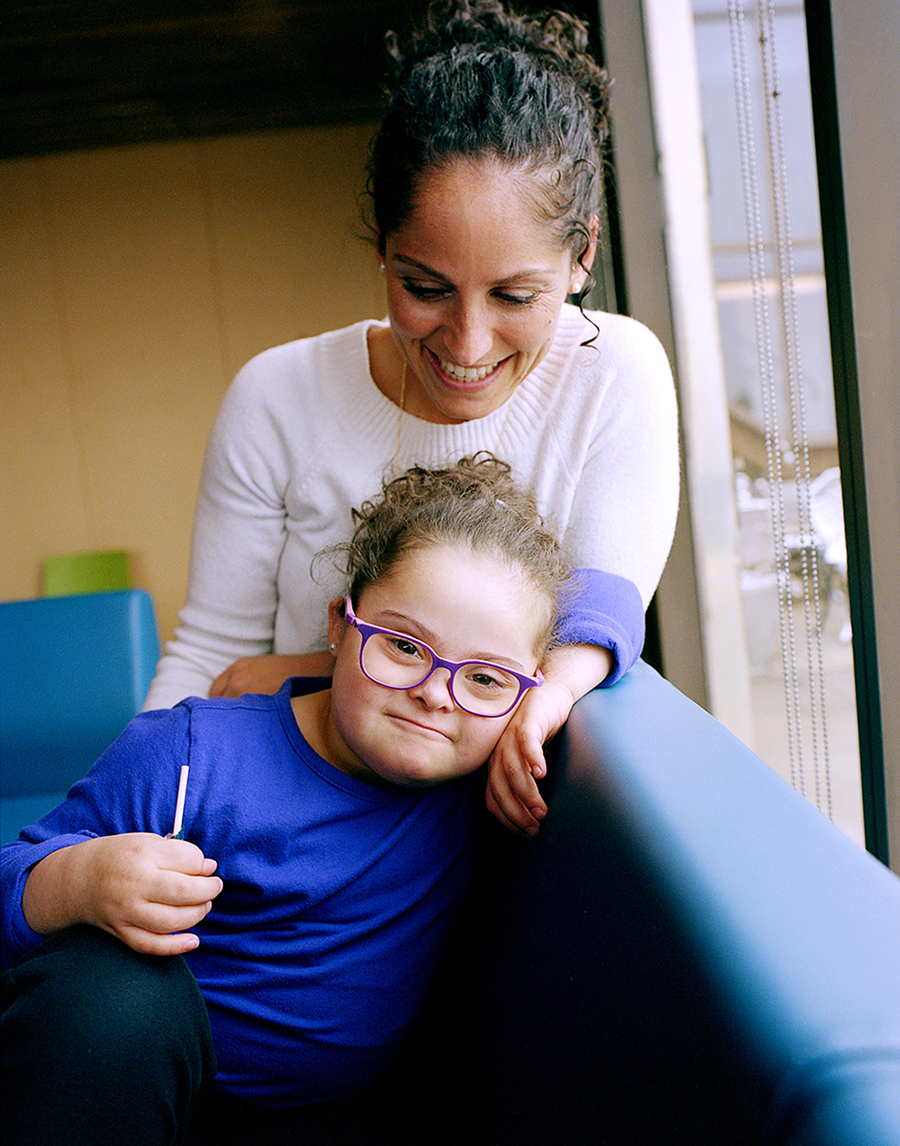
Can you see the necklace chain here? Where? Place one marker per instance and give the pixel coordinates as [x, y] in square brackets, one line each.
[402, 404]
[402, 410]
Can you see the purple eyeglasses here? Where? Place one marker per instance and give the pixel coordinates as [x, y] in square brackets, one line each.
[396, 660]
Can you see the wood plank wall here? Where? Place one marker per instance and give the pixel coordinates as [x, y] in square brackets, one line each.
[134, 282]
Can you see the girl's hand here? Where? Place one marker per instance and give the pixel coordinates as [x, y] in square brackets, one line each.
[142, 888]
[268, 673]
[518, 760]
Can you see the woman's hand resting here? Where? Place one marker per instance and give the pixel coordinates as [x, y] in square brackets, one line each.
[268, 673]
[140, 887]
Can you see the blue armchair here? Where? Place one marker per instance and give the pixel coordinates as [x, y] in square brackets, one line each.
[688, 954]
[73, 672]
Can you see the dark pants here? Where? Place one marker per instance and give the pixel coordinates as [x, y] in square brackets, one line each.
[106, 1047]
[101, 1045]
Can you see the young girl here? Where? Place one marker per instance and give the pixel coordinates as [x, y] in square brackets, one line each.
[328, 841]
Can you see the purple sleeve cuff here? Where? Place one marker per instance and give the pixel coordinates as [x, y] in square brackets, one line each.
[604, 609]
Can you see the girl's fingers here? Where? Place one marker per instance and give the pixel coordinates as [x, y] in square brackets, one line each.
[163, 919]
[185, 891]
[149, 943]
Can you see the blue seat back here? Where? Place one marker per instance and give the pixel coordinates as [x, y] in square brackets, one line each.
[73, 672]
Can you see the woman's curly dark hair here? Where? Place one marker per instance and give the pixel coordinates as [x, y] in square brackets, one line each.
[478, 79]
[474, 503]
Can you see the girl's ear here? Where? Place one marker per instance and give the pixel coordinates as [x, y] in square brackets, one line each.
[337, 626]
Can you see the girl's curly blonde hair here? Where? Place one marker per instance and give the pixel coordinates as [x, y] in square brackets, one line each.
[474, 503]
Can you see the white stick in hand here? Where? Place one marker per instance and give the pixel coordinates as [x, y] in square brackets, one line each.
[175, 833]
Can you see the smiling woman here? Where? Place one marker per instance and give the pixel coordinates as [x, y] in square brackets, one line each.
[484, 183]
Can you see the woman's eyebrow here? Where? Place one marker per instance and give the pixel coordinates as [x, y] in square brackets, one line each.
[529, 274]
[423, 267]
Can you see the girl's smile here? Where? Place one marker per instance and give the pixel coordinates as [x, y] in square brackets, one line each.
[427, 729]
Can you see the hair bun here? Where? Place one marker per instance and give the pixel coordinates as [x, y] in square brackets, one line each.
[558, 40]
[477, 79]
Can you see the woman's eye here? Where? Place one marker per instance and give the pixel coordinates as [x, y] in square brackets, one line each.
[517, 299]
[435, 292]
[425, 291]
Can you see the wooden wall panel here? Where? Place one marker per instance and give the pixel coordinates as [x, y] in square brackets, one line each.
[288, 237]
[134, 282]
[39, 460]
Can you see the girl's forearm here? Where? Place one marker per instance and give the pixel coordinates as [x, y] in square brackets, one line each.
[50, 899]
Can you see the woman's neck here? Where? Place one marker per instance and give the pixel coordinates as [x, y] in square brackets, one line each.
[398, 383]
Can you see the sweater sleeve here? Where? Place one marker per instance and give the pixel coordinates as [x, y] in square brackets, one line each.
[623, 512]
[239, 533]
[606, 610]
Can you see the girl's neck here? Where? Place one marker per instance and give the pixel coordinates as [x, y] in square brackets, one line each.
[312, 711]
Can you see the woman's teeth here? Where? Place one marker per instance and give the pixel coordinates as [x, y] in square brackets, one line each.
[467, 373]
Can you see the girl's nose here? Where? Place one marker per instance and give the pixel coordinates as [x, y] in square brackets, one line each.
[435, 691]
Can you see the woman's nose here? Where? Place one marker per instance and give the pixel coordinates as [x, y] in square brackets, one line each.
[468, 336]
[435, 690]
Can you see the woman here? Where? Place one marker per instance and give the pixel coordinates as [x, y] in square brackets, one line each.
[485, 181]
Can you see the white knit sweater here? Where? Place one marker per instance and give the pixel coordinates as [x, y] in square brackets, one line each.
[304, 434]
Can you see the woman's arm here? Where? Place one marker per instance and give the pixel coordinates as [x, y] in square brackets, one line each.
[624, 505]
[601, 633]
[621, 517]
[268, 673]
[238, 538]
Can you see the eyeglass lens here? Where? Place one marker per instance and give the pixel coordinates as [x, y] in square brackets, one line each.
[400, 662]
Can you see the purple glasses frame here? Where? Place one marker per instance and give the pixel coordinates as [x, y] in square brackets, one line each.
[366, 630]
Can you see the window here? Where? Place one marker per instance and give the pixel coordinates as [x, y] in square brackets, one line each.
[770, 298]
[681, 196]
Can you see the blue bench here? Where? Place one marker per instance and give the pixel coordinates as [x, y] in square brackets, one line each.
[73, 672]
[688, 954]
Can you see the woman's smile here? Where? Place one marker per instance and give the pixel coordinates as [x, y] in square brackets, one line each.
[467, 377]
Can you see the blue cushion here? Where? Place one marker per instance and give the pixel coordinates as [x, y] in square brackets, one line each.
[73, 672]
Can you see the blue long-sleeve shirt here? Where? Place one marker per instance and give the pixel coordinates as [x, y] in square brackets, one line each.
[336, 897]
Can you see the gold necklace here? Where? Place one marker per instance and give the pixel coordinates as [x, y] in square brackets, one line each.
[509, 408]
[402, 408]
[402, 404]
